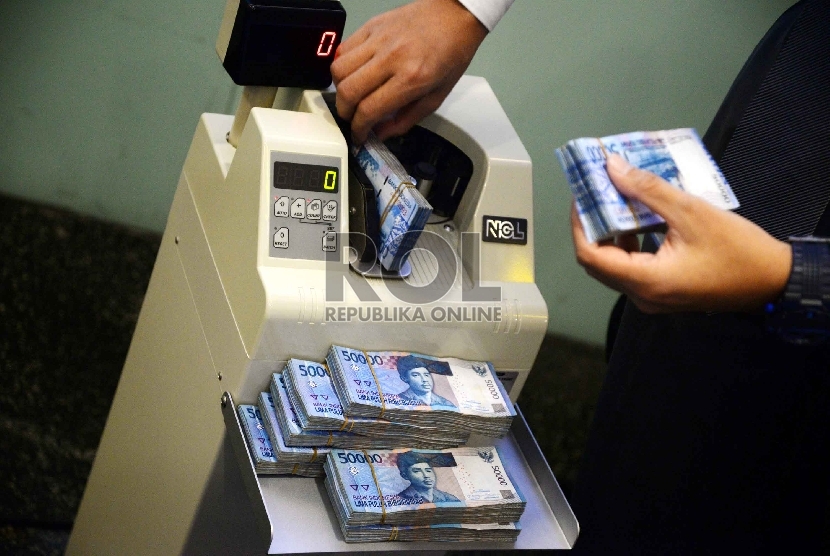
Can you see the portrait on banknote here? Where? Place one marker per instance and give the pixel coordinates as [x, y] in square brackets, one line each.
[420, 377]
[419, 469]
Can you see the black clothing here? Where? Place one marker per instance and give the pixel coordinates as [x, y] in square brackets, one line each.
[710, 434]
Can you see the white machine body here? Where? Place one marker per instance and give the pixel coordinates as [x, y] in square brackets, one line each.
[279, 298]
[240, 286]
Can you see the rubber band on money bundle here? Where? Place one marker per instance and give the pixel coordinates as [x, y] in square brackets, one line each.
[296, 467]
[313, 456]
[377, 485]
[346, 422]
[331, 439]
[393, 535]
[627, 202]
[377, 383]
[395, 196]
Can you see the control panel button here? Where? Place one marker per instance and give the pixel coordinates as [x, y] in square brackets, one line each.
[329, 241]
[281, 238]
[314, 209]
[330, 211]
[281, 207]
[298, 208]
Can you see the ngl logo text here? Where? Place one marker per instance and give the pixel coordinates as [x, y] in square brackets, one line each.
[503, 229]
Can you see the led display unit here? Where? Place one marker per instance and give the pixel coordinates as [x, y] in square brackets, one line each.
[305, 177]
[283, 43]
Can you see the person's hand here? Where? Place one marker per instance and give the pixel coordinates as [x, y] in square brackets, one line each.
[401, 65]
[711, 259]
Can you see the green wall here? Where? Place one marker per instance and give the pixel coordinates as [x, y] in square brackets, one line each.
[99, 100]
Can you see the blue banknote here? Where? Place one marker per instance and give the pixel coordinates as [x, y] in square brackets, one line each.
[295, 434]
[678, 156]
[311, 393]
[258, 440]
[264, 458]
[309, 390]
[402, 209]
[408, 387]
[440, 532]
[404, 486]
[283, 452]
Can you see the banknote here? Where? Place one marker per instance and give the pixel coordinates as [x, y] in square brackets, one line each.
[405, 387]
[403, 210]
[423, 487]
[442, 532]
[258, 440]
[316, 404]
[677, 155]
[295, 434]
[312, 395]
[259, 443]
[283, 452]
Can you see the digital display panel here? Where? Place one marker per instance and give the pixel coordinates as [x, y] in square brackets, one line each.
[306, 177]
[284, 43]
[287, 46]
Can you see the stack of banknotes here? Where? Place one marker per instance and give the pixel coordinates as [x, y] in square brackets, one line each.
[383, 428]
[312, 399]
[264, 458]
[310, 456]
[406, 487]
[454, 395]
[443, 532]
[403, 210]
[292, 428]
[676, 155]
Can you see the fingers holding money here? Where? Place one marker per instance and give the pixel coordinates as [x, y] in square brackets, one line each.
[406, 60]
[671, 203]
[710, 260]
[616, 263]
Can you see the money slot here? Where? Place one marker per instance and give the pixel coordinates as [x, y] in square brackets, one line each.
[245, 282]
[441, 168]
[364, 229]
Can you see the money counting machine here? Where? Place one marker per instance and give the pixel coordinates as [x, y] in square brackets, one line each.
[254, 269]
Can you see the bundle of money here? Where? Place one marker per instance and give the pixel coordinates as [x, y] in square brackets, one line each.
[295, 434]
[676, 155]
[421, 487]
[311, 456]
[315, 402]
[403, 210]
[402, 387]
[445, 532]
[262, 453]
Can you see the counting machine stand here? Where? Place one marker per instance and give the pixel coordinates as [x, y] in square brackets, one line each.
[227, 306]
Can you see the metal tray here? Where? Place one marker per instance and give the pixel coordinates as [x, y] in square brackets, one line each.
[547, 523]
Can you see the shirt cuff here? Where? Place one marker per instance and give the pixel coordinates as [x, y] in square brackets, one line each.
[488, 12]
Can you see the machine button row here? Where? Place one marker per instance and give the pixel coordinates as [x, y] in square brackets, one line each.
[281, 240]
[315, 209]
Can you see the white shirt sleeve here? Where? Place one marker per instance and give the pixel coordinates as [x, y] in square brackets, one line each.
[488, 12]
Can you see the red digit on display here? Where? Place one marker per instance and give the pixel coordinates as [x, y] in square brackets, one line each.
[326, 43]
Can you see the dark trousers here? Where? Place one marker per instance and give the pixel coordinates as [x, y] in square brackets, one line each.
[710, 436]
